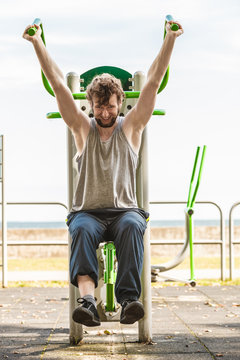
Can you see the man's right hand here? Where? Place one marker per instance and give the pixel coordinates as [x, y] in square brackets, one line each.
[34, 37]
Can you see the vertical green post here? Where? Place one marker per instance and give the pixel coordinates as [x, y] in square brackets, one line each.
[189, 210]
[110, 275]
[190, 226]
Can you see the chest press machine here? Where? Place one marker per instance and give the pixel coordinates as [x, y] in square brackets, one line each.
[132, 85]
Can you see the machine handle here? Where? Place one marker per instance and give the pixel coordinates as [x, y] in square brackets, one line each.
[129, 94]
[174, 27]
[32, 31]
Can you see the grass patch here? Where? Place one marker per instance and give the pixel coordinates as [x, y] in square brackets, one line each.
[162, 284]
[38, 284]
[38, 264]
[61, 264]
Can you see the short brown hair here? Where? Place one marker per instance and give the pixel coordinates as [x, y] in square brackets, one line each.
[103, 86]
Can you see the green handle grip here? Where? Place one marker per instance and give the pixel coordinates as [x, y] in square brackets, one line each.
[32, 31]
[174, 27]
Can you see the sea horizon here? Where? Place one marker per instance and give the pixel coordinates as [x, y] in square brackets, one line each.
[153, 223]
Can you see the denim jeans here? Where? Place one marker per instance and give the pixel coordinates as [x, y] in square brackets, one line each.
[125, 227]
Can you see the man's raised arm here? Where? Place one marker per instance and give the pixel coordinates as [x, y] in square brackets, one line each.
[71, 114]
[142, 111]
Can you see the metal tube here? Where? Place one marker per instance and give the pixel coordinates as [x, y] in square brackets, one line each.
[144, 325]
[57, 115]
[37, 203]
[223, 248]
[192, 178]
[221, 242]
[190, 229]
[231, 239]
[199, 177]
[109, 275]
[4, 222]
[76, 331]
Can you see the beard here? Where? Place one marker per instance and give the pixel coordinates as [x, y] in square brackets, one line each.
[110, 124]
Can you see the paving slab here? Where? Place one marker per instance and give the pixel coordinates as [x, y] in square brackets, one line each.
[188, 323]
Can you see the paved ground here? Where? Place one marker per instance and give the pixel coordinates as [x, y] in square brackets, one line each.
[63, 275]
[188, 323]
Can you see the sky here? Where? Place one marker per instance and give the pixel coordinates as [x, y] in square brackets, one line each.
[201, 99]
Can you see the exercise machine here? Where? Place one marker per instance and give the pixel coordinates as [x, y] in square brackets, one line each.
[132, 85]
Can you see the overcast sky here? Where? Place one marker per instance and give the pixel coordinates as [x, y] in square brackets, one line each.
[201, 99]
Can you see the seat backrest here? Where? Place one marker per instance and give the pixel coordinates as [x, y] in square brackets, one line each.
[128, 103]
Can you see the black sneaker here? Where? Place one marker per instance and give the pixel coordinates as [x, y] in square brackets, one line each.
[86, 313]
[132, 311]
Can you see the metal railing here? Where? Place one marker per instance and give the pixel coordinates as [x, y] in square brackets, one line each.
[24, 242]
[4, 221]
[220, 241]
[232, 242]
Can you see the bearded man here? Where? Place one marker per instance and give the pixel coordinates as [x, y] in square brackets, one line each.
[104, 205]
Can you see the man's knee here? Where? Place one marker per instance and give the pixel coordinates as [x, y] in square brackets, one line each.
[134, 223]
[87, 229]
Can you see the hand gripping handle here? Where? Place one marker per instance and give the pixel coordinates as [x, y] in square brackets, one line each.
[174, 27]
[32, 31]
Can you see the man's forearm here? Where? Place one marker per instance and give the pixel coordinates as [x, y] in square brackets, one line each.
[160, 64]
[49, 67]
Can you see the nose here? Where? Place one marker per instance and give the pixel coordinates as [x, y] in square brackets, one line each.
[105, 113]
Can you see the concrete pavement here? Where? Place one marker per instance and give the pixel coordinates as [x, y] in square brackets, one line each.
[188, 323]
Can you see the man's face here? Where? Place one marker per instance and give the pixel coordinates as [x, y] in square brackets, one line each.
[106, 114]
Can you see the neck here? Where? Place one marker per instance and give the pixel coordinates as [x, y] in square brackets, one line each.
[105, 133]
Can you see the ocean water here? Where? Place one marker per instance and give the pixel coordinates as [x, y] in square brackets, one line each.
[153, 223]
[36, 225]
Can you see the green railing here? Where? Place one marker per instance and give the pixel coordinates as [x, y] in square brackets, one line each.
[189, 210]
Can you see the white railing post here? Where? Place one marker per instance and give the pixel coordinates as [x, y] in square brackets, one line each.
[4, 217]
[75, 330]
[144, 325]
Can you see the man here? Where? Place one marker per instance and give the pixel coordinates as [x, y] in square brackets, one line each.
[104, 206]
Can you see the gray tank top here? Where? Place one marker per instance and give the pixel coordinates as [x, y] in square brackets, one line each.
[107, 172]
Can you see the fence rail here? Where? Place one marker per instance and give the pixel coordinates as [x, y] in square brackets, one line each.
[220, 241]
[3, 265]
[4, 236]
[232, 241]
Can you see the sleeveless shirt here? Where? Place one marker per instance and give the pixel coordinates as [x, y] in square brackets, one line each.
[107, 172]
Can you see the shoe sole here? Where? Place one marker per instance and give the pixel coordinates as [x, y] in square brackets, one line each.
[85, 317]
[133, 312]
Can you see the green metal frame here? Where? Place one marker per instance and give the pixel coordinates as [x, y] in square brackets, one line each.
[118, 74]
[32, 31]
[110, 275]
[190, 204]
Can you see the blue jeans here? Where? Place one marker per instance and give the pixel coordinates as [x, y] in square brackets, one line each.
[125, 227]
